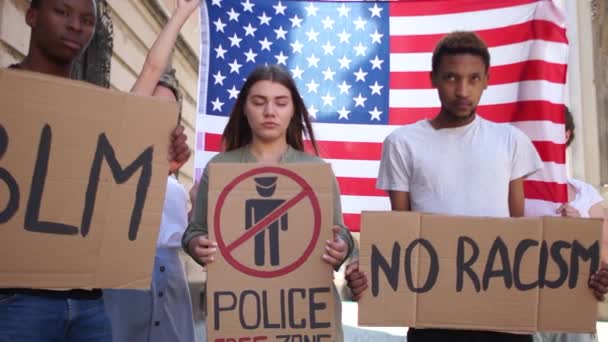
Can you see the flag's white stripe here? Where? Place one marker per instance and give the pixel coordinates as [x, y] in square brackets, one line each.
[537, 130]
[496, 94]
[549, 173]
[475, 21]
[355, 204]
[547, 51]
[552, 52]
[543, 131]
[535, 207]
[354, 168]
[369, 168]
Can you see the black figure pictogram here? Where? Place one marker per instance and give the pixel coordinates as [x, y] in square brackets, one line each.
[258, 208]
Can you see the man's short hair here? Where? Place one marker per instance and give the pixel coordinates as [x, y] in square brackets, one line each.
[35, 3]
[460, 42]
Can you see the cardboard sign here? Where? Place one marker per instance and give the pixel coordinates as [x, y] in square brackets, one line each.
[268, 282]
[524, 274]
[83, 172]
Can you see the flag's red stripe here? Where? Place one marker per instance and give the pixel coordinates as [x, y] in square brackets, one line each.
[548, 151]
[503, 74]
[347, 150]
[531, 30]
[352, 221]
[546, 191]
[213, 142]
[508, 112]
[359, 187]
[414, 8]
[551, 152]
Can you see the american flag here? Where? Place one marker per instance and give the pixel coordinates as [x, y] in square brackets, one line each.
[363, 70]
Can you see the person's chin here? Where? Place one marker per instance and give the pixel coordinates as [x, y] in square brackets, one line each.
[461, 114]
[65, 53]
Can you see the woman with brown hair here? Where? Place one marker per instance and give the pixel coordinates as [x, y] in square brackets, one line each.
[267, 125]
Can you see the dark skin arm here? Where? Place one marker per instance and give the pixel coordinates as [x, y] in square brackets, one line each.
[355, 278]
[516, 197]
[179, 152]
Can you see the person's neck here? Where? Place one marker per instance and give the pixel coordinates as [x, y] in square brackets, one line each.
[268, 152]
[35, 61]
[446, 120]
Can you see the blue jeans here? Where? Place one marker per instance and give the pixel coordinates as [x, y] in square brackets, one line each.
[26, 318]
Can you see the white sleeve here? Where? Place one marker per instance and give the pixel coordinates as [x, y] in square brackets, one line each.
[395, 170]
[525, 159]
[175, 215]
[589, 193]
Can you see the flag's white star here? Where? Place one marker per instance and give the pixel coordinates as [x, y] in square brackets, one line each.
[376, 63]
[344, 87]
[312, 111]
[359, 24]
[312, 10]
[219, 25]
[328, 74]
[296, 21]
[343, 113]
[297, 46]
[234, 15]
[344, 62]
[312, 35]
[234, 93]
[220, 51]
[328, 49]
[360, 75]
[219, 78]
[281, 58]
[313, 61]
[360, 100]
[375, 11]
[312, 86]
[264, 19]
[217, 3]
[360, 49]
[279, 8]
[375, 114]
[376, 37]
[281, 34]
[328, 23]
[247, 6]
[235, 67]
[343, 10]
[344, 36]
[235, 40]
[376, 88]
[297, 72]
[265, 44]
[328, 100]
[249, 30]
[250, 56]
[217, 105]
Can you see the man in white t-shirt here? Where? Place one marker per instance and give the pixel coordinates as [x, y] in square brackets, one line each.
[457, 163]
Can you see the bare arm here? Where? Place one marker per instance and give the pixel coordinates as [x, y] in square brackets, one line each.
[516, 197]
[597, 211]
[400, 200]
[158, 57]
